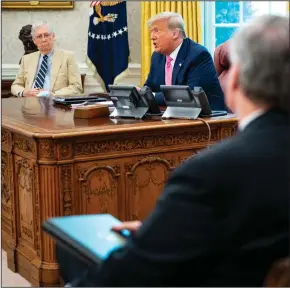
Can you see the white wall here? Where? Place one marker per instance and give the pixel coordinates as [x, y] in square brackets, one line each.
[71, 27]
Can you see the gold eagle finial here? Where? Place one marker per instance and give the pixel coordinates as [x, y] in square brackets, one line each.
[98, 9]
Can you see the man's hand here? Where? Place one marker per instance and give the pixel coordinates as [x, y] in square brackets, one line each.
[132, 226]
[30, 92]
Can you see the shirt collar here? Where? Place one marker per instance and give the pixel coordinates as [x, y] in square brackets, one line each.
[174, 54]
[250, 118]
[48, 55]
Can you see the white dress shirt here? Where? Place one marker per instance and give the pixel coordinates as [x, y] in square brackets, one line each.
[250, 118]
[174, 54]
[46, 84]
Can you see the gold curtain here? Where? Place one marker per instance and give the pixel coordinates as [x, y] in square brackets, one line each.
[288, 6]
[190, 11]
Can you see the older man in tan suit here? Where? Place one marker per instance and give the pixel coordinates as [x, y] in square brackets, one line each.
[48, 70]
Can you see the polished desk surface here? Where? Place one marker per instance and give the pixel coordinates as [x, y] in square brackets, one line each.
[56, 165]
[41, 118]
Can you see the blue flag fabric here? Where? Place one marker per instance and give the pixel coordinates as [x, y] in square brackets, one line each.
[108, 46]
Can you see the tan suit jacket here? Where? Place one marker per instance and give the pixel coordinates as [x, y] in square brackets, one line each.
[65, 78]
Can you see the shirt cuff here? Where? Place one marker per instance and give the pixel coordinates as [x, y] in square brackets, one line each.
[20, 94]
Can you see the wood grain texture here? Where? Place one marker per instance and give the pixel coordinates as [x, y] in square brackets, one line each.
[54, 165]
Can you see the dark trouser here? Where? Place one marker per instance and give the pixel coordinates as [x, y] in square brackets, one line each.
[73, 268]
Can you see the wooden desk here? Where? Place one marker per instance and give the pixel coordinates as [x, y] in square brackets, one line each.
[53, 164]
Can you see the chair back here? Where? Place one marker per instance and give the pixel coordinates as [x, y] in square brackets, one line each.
[83, 77]
[222, 63]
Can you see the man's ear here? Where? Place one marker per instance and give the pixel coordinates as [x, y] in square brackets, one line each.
[233, 77]
[232, 87]
[175, 33]
[236, 76]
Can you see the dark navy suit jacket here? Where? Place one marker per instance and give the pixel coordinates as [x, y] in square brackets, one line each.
[193, 67]
[221, 221]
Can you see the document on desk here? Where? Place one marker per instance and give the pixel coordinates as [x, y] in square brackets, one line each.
[87, 103]
[43, 94]
[90, 235]
[108, 103]
[73, 106]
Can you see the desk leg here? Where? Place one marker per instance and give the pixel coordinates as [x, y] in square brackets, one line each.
[8, 210]
[50, 207]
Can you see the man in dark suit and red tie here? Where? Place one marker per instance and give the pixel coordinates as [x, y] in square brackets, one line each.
[178, 60]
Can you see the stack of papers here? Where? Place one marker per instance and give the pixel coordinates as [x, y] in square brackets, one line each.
[86, 103]
[73, 106]
[108, 103]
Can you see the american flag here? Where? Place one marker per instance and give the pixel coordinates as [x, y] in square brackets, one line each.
[94, 3]
[108, 47]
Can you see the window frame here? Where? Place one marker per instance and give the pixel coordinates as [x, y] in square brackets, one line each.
[209, 14]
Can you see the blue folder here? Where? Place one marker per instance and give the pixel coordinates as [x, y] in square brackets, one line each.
[90, 235]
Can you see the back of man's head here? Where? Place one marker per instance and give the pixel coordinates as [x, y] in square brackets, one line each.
[261, 52]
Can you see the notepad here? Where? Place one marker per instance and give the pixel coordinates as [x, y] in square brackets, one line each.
[90, 235]
[86, 103]
[43, 94]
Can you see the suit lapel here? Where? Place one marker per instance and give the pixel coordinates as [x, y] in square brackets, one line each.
[162, 73]
[33, 63]
[55, 65]
[179, 60]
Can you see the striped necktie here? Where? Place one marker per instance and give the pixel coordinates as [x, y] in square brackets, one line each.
[41, 73]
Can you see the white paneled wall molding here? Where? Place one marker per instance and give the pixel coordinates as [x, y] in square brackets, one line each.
[9, 71]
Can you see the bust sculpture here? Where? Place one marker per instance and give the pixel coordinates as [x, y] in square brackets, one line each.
[26, 38]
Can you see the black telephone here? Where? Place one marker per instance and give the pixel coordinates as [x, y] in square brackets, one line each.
[202, 101]
[147, 96]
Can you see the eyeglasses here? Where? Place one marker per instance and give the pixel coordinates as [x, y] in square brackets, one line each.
[45, 36]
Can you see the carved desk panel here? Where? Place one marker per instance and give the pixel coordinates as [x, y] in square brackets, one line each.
[53, 164]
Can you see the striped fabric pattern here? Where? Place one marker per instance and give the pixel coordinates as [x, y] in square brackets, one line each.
[95, 3]
[41, 73]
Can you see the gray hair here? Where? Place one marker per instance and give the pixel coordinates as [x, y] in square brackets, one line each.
[38, 25]
[261, 50]
[175, 21]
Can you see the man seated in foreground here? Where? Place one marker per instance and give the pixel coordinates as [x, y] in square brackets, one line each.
[223, 217]
[52, 70]
[178, 60]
